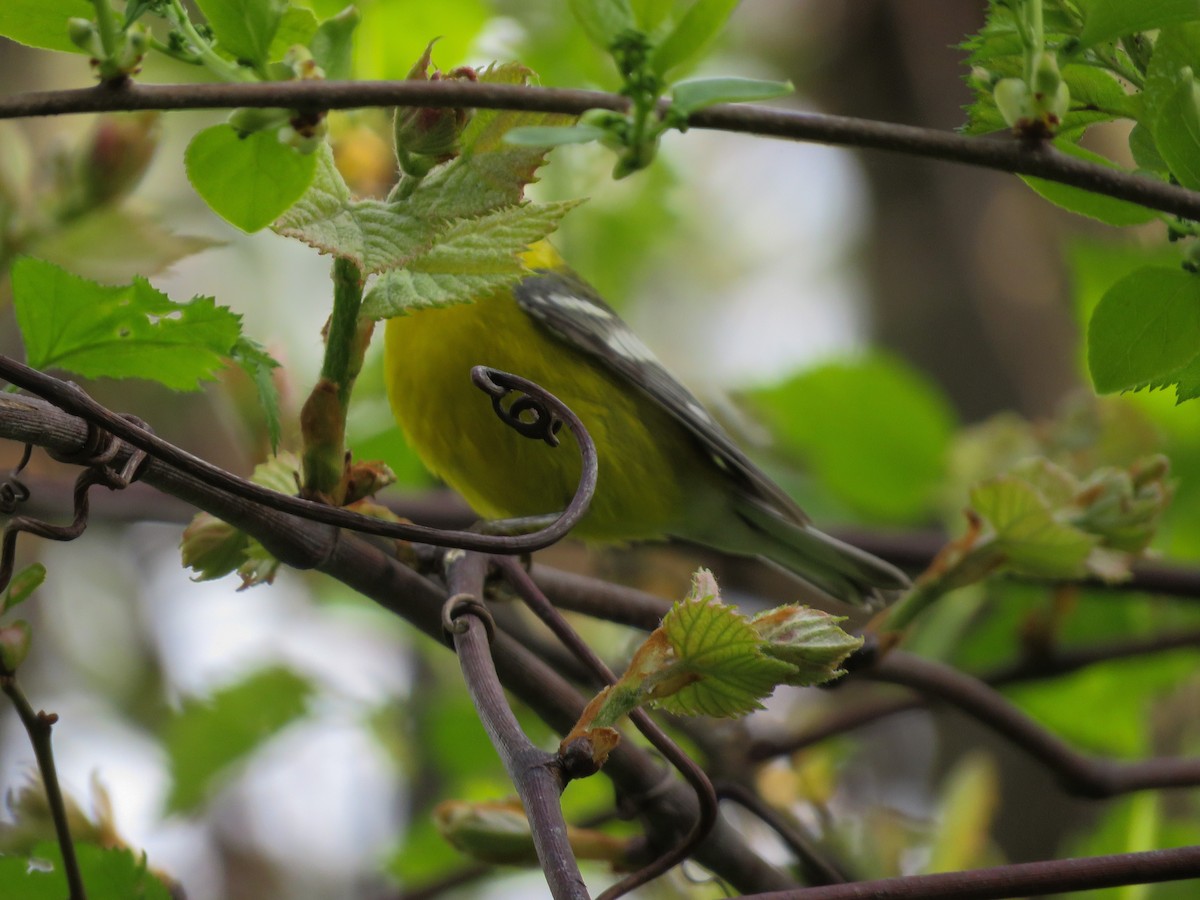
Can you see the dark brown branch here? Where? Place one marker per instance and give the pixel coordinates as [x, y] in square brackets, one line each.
[1079, 774]
[535, 774]
[1005, 154]
[1016, 879]
[1033, 669]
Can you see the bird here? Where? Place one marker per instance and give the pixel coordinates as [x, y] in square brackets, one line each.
[666, 468]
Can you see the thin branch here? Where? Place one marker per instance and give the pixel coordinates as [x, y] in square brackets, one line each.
[814, 867]
[1015, 879]
[534, 773]
[1078, 773]
[1032, 669]
[38, 725]
[1005, 153]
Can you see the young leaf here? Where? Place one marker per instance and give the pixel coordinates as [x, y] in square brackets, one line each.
[1177, 131]
[128, 331]
[109, 872]
[1106, 20]
[374, 234]
[603, 20]
[1145, 327]
[22, 585]
[248, 180]
[244, 28]
[473, 258]
[808, 639]
[695, 29]
[688, 97]
[43, 23]
[1033, 541]
[297, 27]
[1085, 203]
[207, 736]
[333, 46]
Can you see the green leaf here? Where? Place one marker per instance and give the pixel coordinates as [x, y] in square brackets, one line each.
[1176, 48]
[108, 873]
[603, 20]
[244, 28]
[1033, 541]
[43, 23]
[297, 27]
[247, 180]
[808, 639]
[688, 97]
[649, 14]
[729, 673]
[258, 363]
[693, 32]
[374, 234]
[24, 583]
[554, 135]
[1145, 327]
[838, 415]
[471, 259]
[205, 737]
[1177, 132]
[333, 45]
[1086, 203]
[1106, 20]
[128, 331]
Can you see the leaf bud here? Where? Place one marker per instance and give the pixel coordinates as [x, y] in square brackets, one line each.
[84, 35]
[426, 136]
[14, 645]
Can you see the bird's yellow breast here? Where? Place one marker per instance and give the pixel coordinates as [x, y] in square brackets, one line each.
[646, 460]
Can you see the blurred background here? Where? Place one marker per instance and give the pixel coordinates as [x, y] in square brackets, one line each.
[900, 303]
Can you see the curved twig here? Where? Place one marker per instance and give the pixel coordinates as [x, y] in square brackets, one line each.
[72, 399]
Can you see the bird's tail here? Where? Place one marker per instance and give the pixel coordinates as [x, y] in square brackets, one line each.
[839, 569]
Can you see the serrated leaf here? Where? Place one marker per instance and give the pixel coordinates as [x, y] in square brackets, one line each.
[489, 173]
[603, 20]
[693, 32]
[128, 331]
[1144, 328]
[1086, 203]
[333, 45]
[716, 645]
[473, 258]
[688, 97]
[810, 640]
[374, 234]
[205, 737]
[247, 180]
[1033, 541]
[43, 23]
[256, 362]
[1106, 20]
[244, 28]
[1177, 132]
[24, 583]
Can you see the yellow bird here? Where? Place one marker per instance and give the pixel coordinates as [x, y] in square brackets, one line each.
[666, 468]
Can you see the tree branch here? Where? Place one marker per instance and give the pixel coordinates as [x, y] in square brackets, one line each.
[1004, 153]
